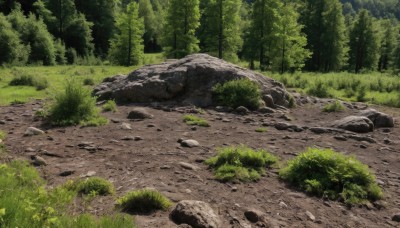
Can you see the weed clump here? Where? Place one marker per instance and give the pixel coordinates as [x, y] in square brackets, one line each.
[110, 106]
[319, 89]
[194, 120]
[24, 79]
[337, 106]
[143, 201]
[75, 105]
[240, 163]
[323, 172]
[241, 92]
[95, 186]
[88, 82]
[261, 129]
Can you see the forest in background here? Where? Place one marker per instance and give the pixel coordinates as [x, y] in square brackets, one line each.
[275, 35]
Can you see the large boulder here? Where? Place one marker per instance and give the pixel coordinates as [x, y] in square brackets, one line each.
[379, 119]
[358, 124]
[188, 80]
[197, 214]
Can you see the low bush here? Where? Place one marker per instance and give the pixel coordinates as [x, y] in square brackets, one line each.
[241, 92]
[319, 89]
[323, 172]
[88, 82]
[75, 105]
[143, 201]
[240, 163]
[194, 120]
[334, 107]
[24, 79]
[95, 186]
[110, 106]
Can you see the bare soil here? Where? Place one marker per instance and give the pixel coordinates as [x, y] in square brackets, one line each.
[154, 162]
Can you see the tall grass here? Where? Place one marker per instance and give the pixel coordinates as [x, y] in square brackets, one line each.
[376, 88]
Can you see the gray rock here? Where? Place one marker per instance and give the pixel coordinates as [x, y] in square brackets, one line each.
[190, 143]
[126, 126]
[188, 166]
[396, 218]
[33, 131]
[359, 124]
[268, 100]
[282, 126]
[197, 214]
[266, 110]
[379, 119]
[254, 215]
[38, 161]
[139, 114]
[188, 80]
[242, 110]
[310, 216]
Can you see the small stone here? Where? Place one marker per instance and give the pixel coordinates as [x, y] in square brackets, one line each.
[128, 138]
[38, 161]
[283, 204]
[195, 214]
[190, 143]
[90, 174]
[340, 138]
[165, 167]
[242, 110]
[310, 216]
[115, 120]
[2, 122]
[151, 125]
[188, 166]
[396, 218]
[137, 138]
[363, 146]
[139, 114]
[253, 215]
[266, 110]
[33, 131]
[234, 189]
[126, 126]
[66, 173]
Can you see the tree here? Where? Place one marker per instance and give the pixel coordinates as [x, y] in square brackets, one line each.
[11, 48]
[222, 31]
[388, 45]
[102, 14]
[324, 26]
[364, 43]
[182, 20]
[150, 35]
[127, 46]
[292, 42]
[396, 55]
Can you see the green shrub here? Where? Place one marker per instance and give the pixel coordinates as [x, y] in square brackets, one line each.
[95, 186]
[261, 130]
[334, 107]
[361, 93]
[241, 92]
[88, 82]
[75, 105]
[319, 89]
[110, 106]
[2, 135]
[143, 201]
[24, 79]
[240, 163]
[194, 120]
[323, 172]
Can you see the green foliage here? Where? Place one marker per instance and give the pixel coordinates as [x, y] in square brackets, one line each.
[323, 172]
[240, 163]
[181, 22]
[11, 48]
[26, 79]
[95, 186]
[319, 89]
[235, 93]
[127, 46]
[2, 135]
[194, 120]
[143, 201]
[75, 105]
[261, 129]
[334, 107]
[89, 221]
[110, 106]
[88, 82]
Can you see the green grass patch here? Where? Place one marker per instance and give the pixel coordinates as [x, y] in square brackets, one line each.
[240, 163]
[75, 105]
[336, 106]
[25, 79]
[88, 82]
[110, 106]
[94, 186]
[26, 202]
[241, 92]
[143, 201]
[261, 129]
[194, 120]
[324, 172]
[2, 135]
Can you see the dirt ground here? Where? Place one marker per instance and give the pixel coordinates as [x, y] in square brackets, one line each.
[154, 161]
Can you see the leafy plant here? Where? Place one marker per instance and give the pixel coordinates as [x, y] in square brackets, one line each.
[95, 186]
[143, 201]
[334, 107]
[75, 105]
[240, 163]
[261, 129]
[110, 106]
[319, 89]
[2, 135]
[241, 92]
[194, 120]
[324, 172]
[24, 79]
[88, 82]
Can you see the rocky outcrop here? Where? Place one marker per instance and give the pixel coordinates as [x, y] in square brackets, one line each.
[197, 214]
[358, 124]
[379, 119]
[188, 80]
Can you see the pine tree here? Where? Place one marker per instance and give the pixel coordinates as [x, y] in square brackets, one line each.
[388, 45]
[150, 35]
[364, 43]
[222, 28]
[182, 20]
[396, 55]
[11, 48]
[127, 46]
